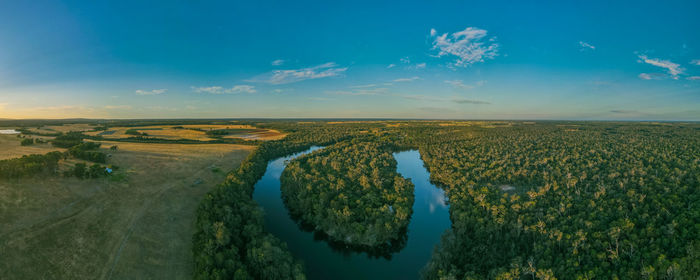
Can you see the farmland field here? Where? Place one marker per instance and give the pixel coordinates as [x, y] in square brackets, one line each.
[135, 225]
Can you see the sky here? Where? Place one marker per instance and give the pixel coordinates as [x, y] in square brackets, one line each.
[568, 60]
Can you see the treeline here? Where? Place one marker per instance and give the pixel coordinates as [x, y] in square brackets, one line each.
[30, 165]
[587, 201]
[87, 152]
[67, 140]
[230, 240]
[351, 192]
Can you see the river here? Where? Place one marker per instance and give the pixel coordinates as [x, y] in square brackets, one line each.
[325, 261]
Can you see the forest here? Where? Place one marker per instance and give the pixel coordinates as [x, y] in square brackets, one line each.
[549, 200]
[351, 192]
[535, 200]
[567, 201]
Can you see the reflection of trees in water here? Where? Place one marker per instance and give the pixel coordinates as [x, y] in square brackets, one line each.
[385, 250]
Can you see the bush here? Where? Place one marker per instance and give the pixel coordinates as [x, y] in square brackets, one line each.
[27, 142]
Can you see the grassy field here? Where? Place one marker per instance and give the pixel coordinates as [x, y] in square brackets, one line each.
[136, 227]
[191, 132]
[10, 147]
[62, 128]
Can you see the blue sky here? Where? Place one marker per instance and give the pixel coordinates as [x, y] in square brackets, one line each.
[419, 59]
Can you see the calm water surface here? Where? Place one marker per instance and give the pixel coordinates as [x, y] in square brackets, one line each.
[323, 261]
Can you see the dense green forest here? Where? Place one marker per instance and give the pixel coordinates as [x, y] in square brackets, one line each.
[583, 201]
[30, 165]
[551, 200]
[351, 192]
[230, 241]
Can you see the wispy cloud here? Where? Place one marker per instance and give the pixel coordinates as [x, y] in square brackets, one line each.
[150, 92]
[364, 86]
[405, 60]
[360, 91]
[467, 45]
[695, 62]
[469, 101]
[586, 46]
[390, 66]
[277, 62]
[674, 69]
[401, 80]
[418, 66]
[461, 84]
[651, 76]
[694, 78]
[222, 90]
[278, 77]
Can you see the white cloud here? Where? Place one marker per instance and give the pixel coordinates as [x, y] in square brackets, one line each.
[221, 90]
[278, 77]
[694, 78]
[695, 62]
[467, 45]
[277, 62]
[390, 66]
[461, 84]
[150, 92]
[585, 46]
[673, 68]
[645, 76]
[405, 60]
[411, 79]
[418, 66]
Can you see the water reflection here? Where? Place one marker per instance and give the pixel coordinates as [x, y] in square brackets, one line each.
[324, 259]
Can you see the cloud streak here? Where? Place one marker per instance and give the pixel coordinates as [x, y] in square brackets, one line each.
[150, 92]
[586, 46]
[461, 84]
[469, 101]
[221, 90]
[277, 62]
[404, 80]
[674, 69]
[469, 46]
[278, 77]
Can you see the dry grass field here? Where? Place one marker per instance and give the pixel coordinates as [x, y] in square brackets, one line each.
[10, 147]
[174, 132]
[63, 128]
[136, 227]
